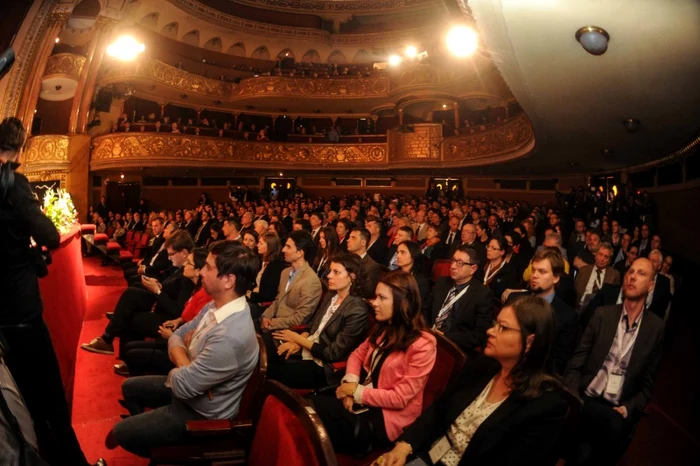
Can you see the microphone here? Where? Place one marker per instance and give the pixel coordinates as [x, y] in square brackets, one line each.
[6, 60]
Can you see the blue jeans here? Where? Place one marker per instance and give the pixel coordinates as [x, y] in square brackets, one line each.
[163, 425]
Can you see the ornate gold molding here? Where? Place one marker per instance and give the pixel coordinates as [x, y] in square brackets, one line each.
[356, 88]
[65, 64]
[59, 18]
[511, 140]
[46, 153]
[153, 150]
[341, 6]
[60, 175]
[428, 76]
[213, 15]
[423, 144]
[156, 70]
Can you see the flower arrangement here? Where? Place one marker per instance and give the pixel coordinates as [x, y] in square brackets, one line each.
[58, 206]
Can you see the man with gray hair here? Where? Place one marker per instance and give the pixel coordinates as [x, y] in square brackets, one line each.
[260, 227]
[659, 298]
[590, 278]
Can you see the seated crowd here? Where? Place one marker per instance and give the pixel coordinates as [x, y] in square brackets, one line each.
[350, 298]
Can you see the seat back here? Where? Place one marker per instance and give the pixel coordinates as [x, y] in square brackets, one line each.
[441, 268]
[129, 236]
[449, 362]
[252, 395]
[289, 433]
[572, 414]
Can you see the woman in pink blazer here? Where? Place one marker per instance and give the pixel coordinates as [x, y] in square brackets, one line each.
[382, 391]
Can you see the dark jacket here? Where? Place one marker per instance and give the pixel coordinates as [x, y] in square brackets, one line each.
[662, 296]
[471, 316]
[565, 329]
[160, 265]
[20, 218]
[344, 332]
[519, 432]
[176, 291]
[191, 228]
[204, 231]
[379, 251]
[595, 344]
[502, 280]
[269, 282]
[372, 271]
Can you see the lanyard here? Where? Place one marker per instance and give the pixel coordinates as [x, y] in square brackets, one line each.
[489, 276]
[452, 301]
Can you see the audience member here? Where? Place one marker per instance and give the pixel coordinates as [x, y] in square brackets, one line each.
[357, 244]
[590, 278]
[328, 247]
[499, 275]
[272, 265]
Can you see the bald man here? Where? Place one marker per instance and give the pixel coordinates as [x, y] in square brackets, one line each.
[614, 368]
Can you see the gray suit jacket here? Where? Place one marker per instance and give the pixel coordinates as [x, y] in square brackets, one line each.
[372, 271]
[612, 276]
[344, 332]
[222, 362]
[301, 299]
[595, 345]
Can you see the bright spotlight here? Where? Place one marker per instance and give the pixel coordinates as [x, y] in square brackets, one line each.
[394, 60]
[411, 51]
[462, 41]
[125, 48]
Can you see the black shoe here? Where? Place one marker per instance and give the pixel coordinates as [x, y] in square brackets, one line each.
[109, 315]
[121, 369]
[100, 462]
[132, 407]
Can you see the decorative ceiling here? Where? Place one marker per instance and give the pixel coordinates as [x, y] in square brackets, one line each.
[577, 101]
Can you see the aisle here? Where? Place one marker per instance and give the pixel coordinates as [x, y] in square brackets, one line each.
[97, 387]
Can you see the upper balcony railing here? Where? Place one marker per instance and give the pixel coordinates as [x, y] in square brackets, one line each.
[423, 148]
[65, 65]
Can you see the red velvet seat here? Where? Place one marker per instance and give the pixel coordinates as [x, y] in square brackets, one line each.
[449, 362]
[134, 241]
[441, 268]
[142, 244]
[101, 238]
[289, 433]
[221, 439]
[88, 228]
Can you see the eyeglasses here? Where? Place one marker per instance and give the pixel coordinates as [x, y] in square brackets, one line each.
[500, 327]
[491, 248]
[460, 263]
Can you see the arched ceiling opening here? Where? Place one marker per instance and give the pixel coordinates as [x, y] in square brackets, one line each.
[261, 53]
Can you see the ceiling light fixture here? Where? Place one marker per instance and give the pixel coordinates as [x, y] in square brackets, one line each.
[394, 60]
[411, 51]
[462, 41]
[631, 125]
[126, 48]
[593, 39]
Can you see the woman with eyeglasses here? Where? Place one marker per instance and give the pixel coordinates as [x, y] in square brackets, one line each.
[499, 275]
[382, 390]
[505, 409]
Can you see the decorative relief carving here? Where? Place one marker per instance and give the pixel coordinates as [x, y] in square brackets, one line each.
[427, 75]
[50, 175]
[120, 150]
[337, 6]
[422, 144]
[337, 87]
[46, 149]
[510, 137]
[65, 64]
[165, 74]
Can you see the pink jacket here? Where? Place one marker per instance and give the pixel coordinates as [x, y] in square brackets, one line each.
[401, 381]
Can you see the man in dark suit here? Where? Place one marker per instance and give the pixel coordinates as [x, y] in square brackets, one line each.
[102, 208]
[644, 242]
[462, 307]
[586, 256]
[591, 278]
[137, 224]
[191, 224]
[468, 238]
[547, 270]
[357, 244]
[316, 220]
[203, 231]
[613, 370]
[660, 296]
[378, 247]
[155, 245]
[451, 238]
[287, 219]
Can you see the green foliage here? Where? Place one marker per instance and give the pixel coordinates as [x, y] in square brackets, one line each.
[58, 206]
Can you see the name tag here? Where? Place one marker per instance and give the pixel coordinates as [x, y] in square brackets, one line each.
[614, 383]
[440, 449]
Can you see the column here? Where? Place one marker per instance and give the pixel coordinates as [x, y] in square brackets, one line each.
[235, 121]
[162, 110]
[455, 107]
[401, 116]
[32, 87]
[104, 28]
[199, 116]
[375, 119]
[274, 122]
[334, 120]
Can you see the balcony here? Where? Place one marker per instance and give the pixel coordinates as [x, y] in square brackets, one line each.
[423, 148]
[61, 76]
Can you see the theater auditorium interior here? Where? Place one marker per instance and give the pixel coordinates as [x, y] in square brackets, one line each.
[362, 232]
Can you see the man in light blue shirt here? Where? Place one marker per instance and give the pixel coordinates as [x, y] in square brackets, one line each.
[214, 356]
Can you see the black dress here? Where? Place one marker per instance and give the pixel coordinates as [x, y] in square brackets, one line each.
[30, 354]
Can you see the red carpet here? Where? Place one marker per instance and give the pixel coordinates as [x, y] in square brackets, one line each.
[97, 387]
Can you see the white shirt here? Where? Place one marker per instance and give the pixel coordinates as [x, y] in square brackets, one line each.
[591, 282]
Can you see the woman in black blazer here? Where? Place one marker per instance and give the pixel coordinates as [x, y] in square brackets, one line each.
[337, 327]
[499, 275]
[272, 265]
[327, 248]
[410, 259]
[505, 409]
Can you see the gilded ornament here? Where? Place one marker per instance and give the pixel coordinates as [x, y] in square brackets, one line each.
[65, 64]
